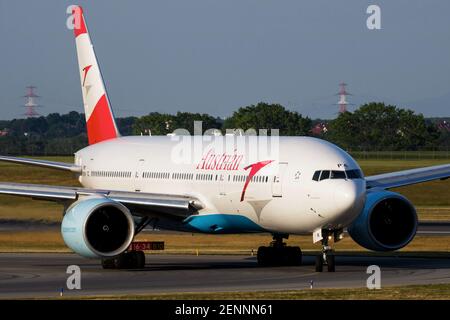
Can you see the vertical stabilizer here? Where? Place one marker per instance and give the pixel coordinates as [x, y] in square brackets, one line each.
[100, 122]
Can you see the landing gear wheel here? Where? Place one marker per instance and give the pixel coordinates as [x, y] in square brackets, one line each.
[319, 263]
[263, 257]
[327, 256]
[139, 259]
[294, 256]
[108, 263]
[121, 261]
[330, 263]
[278, 254]
[126, 260]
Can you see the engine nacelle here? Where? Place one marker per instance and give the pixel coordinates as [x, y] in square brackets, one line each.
[388, 222]
[97, 227]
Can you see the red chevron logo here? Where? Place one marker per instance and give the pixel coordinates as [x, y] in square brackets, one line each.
[86, 69]
[254, 168]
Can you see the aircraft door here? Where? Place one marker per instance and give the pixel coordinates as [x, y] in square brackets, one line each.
[277, 182]
[138, 178]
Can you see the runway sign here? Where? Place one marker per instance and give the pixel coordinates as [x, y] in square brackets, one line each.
[146, 245]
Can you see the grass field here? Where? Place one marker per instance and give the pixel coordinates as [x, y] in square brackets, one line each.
[402, 155]
[429, 194]
[187, 243]
[417, 292]
[24, 208]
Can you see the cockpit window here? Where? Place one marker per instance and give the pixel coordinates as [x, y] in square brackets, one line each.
[325, 175]
[320, 175]
[338, 175]
[354, 174]
[316, 175]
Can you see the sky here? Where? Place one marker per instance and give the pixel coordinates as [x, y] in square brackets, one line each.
[216, 56]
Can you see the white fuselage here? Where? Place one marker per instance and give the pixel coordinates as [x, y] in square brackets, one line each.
[281, 197]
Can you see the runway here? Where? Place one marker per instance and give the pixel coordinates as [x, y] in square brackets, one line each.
[43, 275]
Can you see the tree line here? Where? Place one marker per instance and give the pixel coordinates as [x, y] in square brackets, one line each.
[373, 126]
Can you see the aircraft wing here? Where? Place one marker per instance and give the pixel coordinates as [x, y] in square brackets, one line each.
[43, 163]
[176, 205]
[407, 177]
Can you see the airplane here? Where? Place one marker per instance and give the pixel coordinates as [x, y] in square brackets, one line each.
[309, 187]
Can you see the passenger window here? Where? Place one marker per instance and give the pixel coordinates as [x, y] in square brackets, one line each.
[316, 176]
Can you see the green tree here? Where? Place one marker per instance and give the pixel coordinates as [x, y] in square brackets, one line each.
[126, 125]
[185, 120]
[162, 124]
[269, 116]
[156, 123]
[379, 126]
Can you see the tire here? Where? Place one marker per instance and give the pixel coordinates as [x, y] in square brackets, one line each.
[287, 256]
[331, 263]
[297, 256]
[140, 259]
[319, 263]
[263, 256]
[121, 261]
[282, 256]
[108, 263]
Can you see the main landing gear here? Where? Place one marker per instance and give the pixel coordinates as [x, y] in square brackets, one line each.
[130, 259]
[126, 260]
[327, 256]
[278, 254]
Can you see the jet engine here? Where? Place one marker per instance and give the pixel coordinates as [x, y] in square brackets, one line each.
[388, 222]
[97, 227]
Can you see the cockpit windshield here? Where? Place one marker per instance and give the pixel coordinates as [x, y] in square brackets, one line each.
[338, 175]
[325, 175]
[320, 175]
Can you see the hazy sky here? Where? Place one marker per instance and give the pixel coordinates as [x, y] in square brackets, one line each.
[215, 56]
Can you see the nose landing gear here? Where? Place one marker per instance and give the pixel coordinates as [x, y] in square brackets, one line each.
[327, 256]
[278, 254]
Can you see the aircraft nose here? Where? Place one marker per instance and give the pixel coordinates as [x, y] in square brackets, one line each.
[346, 195]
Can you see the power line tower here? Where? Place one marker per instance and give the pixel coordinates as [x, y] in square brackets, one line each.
[343, 103]
[30, 103]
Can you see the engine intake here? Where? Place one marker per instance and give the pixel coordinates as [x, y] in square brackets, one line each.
[97, 227]
[388, 222]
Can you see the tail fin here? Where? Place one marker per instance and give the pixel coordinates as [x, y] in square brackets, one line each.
[100, 122]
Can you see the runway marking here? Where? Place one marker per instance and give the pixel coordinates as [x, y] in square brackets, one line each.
[433, 232]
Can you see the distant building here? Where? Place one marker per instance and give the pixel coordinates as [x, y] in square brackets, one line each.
[4, 132]
[319, 129]
[444, 125]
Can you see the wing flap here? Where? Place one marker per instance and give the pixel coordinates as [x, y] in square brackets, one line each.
[408, 177]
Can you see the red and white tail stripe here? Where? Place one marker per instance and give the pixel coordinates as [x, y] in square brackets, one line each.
[99, 116]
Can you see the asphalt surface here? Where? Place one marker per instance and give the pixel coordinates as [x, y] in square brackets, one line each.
[43, 275]
[438, 228]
